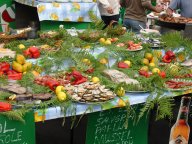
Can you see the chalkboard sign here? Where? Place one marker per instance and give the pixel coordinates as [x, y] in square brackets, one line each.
[15, 132]
[107, 127]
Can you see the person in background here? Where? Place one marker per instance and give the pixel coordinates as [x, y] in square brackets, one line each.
[185, 7]
[135, 14]
[109, 10]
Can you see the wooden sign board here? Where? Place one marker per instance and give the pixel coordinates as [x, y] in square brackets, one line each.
[107, 127]
[15, 132]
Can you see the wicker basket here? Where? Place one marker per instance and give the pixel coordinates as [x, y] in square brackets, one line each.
[90, 36]
[115, 29]
[4, 38]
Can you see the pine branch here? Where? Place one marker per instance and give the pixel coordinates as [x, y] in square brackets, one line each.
[17, 115]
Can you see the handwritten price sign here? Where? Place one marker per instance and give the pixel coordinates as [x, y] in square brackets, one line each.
[14, 132]
[107, 127]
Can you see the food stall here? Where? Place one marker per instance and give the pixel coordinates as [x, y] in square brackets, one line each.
[92, 86]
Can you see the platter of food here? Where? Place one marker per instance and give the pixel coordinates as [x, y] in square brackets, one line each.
[134, 46]
[89, 92]
[177, 23]
[178, 84]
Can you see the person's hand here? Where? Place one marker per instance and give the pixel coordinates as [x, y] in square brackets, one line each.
[159, 8]
[169, 12]
[110, 10]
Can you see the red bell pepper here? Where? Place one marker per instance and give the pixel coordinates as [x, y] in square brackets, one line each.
[33, 49]
[11, 72]
[4, 67]
[170, 54]
[122, 65]
[52, 84]
[32, 52]
[76, 74]
[90, 71]
[15, 76]
[36, 55]
[144, 73]
[27, 53]
[5, 106]
[166, 59]
[79, 81]
[162, 74]
[75, 78]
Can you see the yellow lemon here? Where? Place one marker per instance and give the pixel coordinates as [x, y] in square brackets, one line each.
[17, 67]
[120, 92]
[109, 39]
[20, 59]
[95, 79]
[154, 60]
[145, 61]
[127, 62]
[27, 66]
[103, 61]
[86, 61]
[145, 68]
[59, 89]
[107, 42]
[102, 40]
[87, 47]
[148, 56]
[156, 70]
[122, 103]
[21, 46]
[152, 64]
[181, 57]
[61, 96]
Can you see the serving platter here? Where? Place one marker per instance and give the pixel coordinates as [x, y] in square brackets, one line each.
[179, 81]
[140, 48]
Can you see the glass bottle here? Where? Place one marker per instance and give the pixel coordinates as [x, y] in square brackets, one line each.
[180, 130]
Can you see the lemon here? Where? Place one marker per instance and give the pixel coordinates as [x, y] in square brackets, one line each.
[120, 92]
[20, 59]
[21, 46]
[86, 61]
[109, 39]
[87, 47]
[145, 68]
[145, 61]
[122, 103]
[102, 40]
[152, 64]
[103, 61]
[127, 62]
[156, 70]
[95, 79]
[148, 56]
[59, 89]
[107, 42]
[61, 96]
[154, 60]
